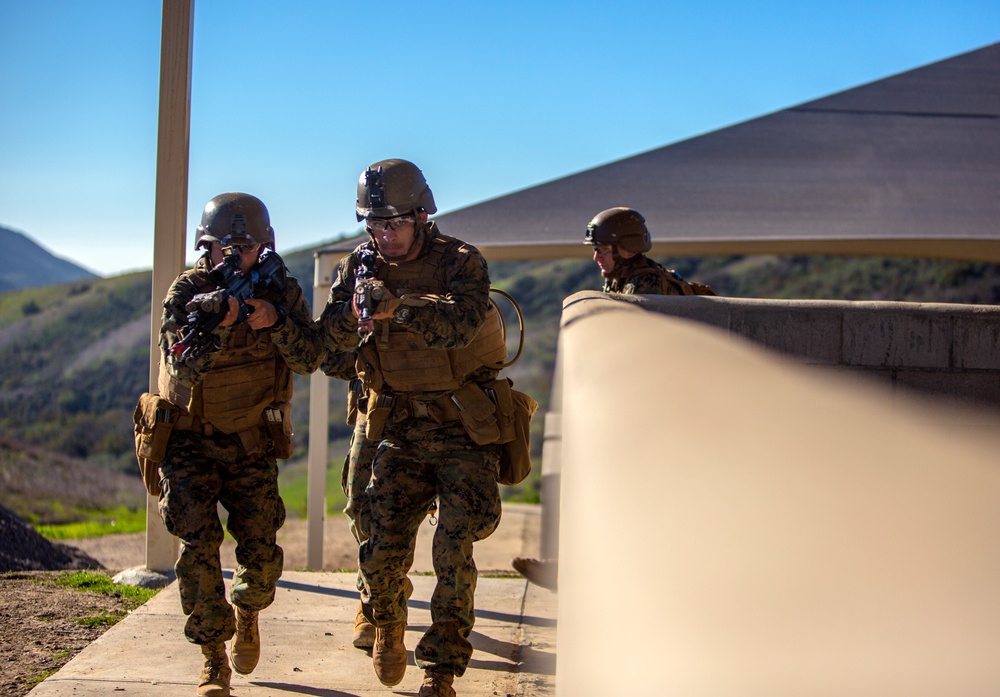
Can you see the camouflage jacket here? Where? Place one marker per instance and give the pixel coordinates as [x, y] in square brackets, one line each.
[640, 275]
[297, 340]
[443, 321]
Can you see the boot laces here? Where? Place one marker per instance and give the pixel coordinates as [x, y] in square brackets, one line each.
[215, 663]
[245, 626]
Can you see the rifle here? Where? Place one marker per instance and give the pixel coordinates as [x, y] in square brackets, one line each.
[207, 310]
[368, 291]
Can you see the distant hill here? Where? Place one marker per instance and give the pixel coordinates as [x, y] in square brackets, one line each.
[75, 357]
[44, 487]
[35, 266]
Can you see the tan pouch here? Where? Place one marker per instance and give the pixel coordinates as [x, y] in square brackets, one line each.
[379, 411]
[279, 425]
[500, 393]
[354, 392]
[478, 413]
[154, 419]
[515, 459]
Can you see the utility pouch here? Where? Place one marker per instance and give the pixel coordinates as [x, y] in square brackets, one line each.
[154, 419]
[379, 410]
[279, 425]
[354, 401]
[500, 393]
[515, 458]
[477, 413]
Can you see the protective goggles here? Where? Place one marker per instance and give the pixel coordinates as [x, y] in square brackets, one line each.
[384, 224]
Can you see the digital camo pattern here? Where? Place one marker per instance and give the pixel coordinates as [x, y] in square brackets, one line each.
[199, 471]
[357, 469]
[445, 321]
[640, 275]
[417, 461]
[340, 365]
[420, 460]
[354, 480]
[298, 341]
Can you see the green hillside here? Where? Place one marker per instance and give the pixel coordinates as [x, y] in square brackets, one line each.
[74, 357]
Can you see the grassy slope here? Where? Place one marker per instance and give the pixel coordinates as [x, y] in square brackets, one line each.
[73, 358]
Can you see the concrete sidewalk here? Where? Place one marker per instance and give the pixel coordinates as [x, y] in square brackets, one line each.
[306, 636]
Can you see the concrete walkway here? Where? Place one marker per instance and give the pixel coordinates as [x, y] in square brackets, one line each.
[306, 638]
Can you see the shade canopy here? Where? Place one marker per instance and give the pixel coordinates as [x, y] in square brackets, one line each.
[904, 166]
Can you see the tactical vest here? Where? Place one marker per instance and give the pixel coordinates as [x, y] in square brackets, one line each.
[405, 363]
[671, 282]
[247, 377]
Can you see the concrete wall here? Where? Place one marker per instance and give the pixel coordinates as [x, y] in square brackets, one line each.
[949, 351]
[735, 523]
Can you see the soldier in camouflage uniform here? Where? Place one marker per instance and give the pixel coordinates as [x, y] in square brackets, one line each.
[620, 240]
[230, 421]
[429, 346]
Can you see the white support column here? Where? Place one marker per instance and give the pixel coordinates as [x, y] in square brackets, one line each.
[319, 420]
[319, 417]
[171, 210]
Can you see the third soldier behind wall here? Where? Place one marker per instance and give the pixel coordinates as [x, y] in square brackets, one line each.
[620, 240]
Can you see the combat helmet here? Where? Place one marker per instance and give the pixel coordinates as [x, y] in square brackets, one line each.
[623, 227]
[235, 219]
[393, 187]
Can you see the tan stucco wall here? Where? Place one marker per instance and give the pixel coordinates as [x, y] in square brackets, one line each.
[736, 523]
[950, 351]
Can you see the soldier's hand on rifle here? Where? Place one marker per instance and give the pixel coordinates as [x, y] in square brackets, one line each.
[386, 302]
[233, 314]
[262, 313]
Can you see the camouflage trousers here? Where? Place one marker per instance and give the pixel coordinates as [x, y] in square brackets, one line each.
[416, 462]
[354, 480]
[198, 473]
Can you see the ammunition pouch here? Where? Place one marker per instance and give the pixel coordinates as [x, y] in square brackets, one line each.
[154, 419]
[279, 424]
[493, 412]
[515, 458]
[356, 401]
[500, 393]
[478, 413]
[379, 410]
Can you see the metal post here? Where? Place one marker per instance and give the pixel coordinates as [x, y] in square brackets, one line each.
[171, 210]
[319, 420]
[319, 400]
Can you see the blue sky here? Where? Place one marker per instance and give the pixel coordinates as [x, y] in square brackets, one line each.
[291, 100]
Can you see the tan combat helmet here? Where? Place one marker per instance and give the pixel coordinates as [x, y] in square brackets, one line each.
[235, 219]
[393, 187]
[623, 227]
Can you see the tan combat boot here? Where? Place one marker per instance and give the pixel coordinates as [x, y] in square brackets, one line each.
[215, 676]
[389, 653]
[437, 685]
[246, 643]
[364, 631]
[541, 572]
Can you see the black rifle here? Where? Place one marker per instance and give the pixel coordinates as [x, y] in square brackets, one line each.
[367, 290]
[207, 310]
